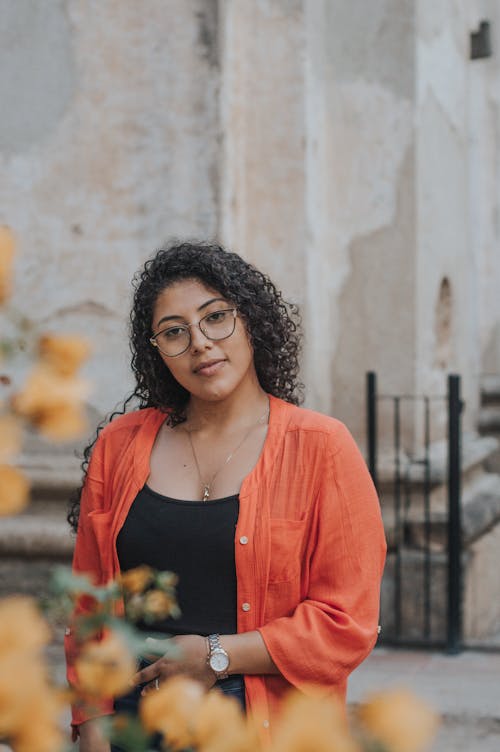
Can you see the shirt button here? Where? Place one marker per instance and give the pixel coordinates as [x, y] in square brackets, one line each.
[245, 606]
[265, 723]
[243, 540]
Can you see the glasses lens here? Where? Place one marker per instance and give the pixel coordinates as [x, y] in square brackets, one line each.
[219, 324]
[174, 340]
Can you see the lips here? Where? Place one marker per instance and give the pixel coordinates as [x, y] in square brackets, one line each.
[209, 367]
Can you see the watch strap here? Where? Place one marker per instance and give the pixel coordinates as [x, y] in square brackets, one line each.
[214, 646]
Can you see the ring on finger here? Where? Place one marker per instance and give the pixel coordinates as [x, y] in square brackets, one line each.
[157, 683]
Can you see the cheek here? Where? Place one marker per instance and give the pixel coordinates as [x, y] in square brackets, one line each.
[176, 369]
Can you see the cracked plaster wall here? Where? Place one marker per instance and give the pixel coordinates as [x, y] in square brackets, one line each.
[351, 150]
[108, 146]
[317, 124]
[371, 121]
[457, 199]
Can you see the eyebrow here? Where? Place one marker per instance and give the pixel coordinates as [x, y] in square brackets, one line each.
[203, 305]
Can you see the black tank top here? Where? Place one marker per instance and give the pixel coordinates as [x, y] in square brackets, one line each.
[194, 539]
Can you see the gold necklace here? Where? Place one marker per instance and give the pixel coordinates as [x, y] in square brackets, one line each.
[207, 486]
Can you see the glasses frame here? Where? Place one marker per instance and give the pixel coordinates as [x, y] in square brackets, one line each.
[199, 325]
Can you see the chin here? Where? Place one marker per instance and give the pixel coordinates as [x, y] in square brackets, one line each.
[215, 392]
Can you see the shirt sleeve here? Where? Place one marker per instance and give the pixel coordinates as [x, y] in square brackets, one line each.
[335, 627]
[87, 560]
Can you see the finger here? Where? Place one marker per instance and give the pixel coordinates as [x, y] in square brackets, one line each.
[147, 674]
[153, 686]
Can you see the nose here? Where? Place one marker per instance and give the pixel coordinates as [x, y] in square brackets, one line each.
[198, 339]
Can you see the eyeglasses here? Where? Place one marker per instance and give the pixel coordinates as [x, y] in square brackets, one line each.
[176, 339]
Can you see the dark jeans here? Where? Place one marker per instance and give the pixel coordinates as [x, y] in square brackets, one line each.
[233, 686]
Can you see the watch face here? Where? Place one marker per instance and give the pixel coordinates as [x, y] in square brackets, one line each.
[219, 661]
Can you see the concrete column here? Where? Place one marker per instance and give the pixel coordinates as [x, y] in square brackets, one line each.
[369, 196]
[264, 137]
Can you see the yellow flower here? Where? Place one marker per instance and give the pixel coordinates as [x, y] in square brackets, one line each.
[172, 709]
[63, 353]
[40, 731]
[21, 679]
[10, 437]
[136, 580]
[157, 605]
[29, 706]
[167, 579]
[52, 402]
[22, 628]
[14, 490]
[66, 422]
[6, 260]
[220, 726]
[399, 719]
[312, 724]
[105, 668]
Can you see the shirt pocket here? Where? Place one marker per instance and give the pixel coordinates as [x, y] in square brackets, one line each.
[287, 539]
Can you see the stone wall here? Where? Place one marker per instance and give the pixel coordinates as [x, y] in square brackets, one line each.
[349, 149]
[108, 146]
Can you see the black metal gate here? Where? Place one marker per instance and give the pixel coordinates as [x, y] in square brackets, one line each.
[422, 578]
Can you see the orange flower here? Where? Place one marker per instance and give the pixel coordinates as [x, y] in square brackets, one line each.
[158, 605]
[22, 628]
[29, 706]
[105, 668]
[399, 720]
[65, 354]
[40, 731]
[14, 490]
[172, 709]
[52, 402]
[136, 580]
[312, 723]
[220, 726]
[66, 422]
[6, 259]
[10, 437]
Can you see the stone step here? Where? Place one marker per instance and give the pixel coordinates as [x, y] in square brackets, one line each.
[480, 512]
[40, 531]
[489, 419]
[51, 476]
[490, 389]
[475, 452]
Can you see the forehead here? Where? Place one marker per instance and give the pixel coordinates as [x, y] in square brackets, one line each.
[183, 298]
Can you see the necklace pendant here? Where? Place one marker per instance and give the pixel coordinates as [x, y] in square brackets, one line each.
[206, 492]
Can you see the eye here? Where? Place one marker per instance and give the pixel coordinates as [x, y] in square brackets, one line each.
[217, 317]
[174, 332]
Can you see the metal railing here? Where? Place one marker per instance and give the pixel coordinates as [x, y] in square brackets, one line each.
[401, 489]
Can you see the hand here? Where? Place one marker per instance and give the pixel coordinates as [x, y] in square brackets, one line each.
[91, 738]
[190, 660]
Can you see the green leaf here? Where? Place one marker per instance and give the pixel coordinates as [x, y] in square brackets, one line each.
[126, 732]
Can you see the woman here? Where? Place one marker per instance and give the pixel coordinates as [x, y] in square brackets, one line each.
[265, 510]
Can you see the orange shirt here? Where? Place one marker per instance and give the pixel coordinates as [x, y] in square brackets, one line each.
[309, 545]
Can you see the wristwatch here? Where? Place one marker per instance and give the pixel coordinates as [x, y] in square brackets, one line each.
[217, 658]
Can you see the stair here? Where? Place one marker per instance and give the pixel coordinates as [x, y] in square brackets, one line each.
[489, 415]
[35, 541]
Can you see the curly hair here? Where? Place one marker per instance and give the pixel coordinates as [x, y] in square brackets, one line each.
[272, 324]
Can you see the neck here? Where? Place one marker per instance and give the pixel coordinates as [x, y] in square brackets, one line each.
[237, 410]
